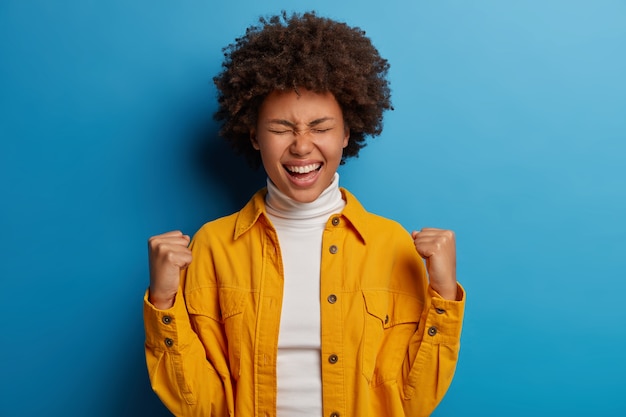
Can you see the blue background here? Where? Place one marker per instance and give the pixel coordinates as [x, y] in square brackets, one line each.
[509, 127]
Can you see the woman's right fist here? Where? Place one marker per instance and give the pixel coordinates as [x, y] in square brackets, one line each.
[168, 254]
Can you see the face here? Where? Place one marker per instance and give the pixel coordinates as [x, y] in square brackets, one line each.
[301, 139]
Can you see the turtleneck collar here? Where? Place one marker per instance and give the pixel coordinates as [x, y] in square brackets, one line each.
[282, 207]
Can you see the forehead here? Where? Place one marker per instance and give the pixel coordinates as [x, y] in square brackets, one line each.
[300, 105]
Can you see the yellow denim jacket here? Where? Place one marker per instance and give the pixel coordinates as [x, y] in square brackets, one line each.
[389, 343]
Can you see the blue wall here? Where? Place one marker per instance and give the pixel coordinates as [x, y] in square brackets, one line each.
[510, 128]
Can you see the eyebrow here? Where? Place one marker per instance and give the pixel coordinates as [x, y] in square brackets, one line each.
[293, 125]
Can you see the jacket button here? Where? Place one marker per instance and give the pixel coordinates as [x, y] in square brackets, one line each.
[333, 249]
[333, 358]
[166, 319]
[332, 298]
[440, 310]
[169, 342]
[334, 414]
[432, 331]
[335, 221]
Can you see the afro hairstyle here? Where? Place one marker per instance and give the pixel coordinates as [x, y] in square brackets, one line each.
[287, 52]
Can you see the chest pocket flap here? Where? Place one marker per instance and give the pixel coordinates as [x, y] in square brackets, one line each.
[392, 308]
[203, 301]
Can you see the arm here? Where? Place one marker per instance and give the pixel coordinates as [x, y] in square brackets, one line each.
[435, 346]
[179, 371]
[435, 349]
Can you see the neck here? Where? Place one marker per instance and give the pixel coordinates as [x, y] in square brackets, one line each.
[328, 202]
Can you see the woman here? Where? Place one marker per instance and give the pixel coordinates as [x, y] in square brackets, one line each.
[302, 303]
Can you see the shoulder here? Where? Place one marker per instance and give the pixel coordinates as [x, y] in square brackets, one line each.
[233, 225]
[217, 227]
[370, 225]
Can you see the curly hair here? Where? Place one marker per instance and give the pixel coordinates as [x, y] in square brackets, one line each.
[302, 50]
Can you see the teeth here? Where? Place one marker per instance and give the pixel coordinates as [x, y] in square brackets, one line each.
[303, 169]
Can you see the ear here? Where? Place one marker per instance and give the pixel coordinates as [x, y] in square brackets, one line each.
[253, 141]
[346, 137]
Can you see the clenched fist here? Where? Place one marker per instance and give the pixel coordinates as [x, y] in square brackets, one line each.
[438, 248]
[168, 254]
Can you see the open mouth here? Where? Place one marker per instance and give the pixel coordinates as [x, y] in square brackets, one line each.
[303, 171]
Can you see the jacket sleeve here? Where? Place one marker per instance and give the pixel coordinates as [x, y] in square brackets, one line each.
[411, 332]
[179, 371]
[189, 373]
[435, 349]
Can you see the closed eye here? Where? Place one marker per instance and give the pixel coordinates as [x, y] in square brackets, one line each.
[295, 132]
[321, 130]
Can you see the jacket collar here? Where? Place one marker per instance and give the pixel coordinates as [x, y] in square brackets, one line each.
[353, 212]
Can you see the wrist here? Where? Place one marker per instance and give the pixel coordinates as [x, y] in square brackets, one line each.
[161, 302]
[447, 292]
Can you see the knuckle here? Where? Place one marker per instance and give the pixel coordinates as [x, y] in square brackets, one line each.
[159, 248]
[170, 257]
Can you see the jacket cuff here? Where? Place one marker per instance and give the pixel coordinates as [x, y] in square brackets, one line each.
[444, 318]
[167, 330]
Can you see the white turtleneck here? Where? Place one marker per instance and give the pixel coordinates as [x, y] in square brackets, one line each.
[300, 227]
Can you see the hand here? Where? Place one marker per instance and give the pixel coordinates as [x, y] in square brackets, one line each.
[438, 248]
[168, 254]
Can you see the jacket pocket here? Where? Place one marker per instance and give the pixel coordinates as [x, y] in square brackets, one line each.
[226, 313]
[391, 319]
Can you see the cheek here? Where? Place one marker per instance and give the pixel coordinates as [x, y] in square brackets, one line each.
[269, 154]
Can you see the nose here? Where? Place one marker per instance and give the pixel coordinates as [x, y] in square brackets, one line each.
[302, 144]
